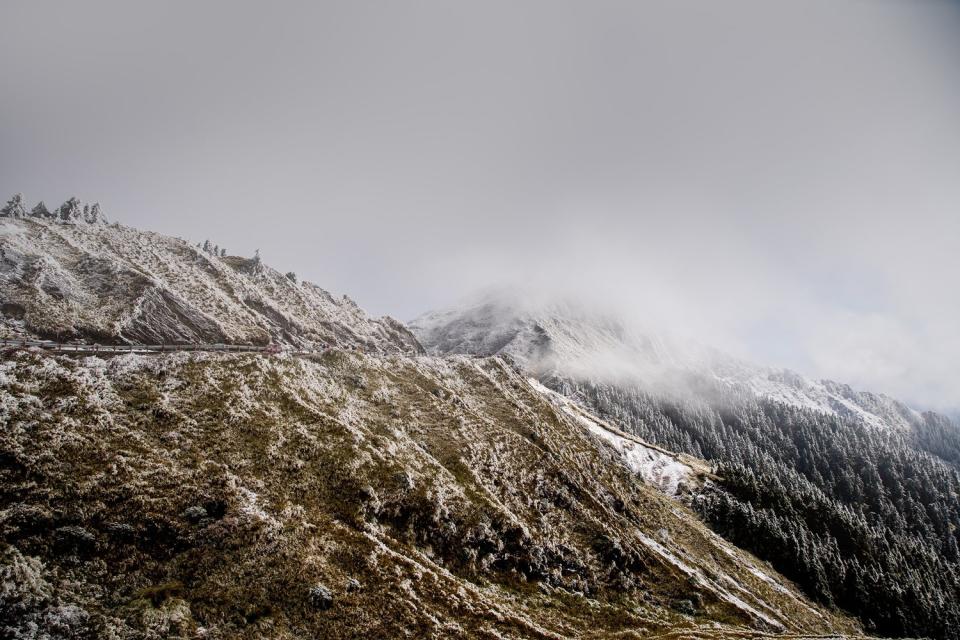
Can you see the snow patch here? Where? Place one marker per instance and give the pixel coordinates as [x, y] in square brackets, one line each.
[657, 468]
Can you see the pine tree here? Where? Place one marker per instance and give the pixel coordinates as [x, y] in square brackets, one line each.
[223, 253]
[14, 207]
[255, 265]
[206, 246]
[70, 211]
[96, 215]
[41, 211]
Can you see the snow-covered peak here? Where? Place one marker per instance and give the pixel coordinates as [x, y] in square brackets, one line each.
[559, 337]
[555, 335]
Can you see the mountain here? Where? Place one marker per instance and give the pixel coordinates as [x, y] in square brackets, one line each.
[852, 494]
[557, 336]
[375, 493]
[347, 496]
[115, 284]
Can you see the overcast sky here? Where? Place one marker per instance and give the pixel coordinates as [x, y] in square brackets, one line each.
[780, 178]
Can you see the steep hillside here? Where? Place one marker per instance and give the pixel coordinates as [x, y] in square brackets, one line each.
[347, 496]
[852, 494]
[111, 283]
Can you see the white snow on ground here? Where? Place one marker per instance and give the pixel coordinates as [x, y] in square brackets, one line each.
[656, 467]
[742, 560]
[824, 396]
[666, 472]
[697, 575]
[773, 583]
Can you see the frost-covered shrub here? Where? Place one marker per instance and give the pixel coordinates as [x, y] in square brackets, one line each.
[28, 609]
[14, 207]
[195, 514]
[70, 211]
[40, 211]
[74, 538]
[321, 597]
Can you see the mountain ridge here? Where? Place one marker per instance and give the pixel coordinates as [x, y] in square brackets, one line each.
[115, 283]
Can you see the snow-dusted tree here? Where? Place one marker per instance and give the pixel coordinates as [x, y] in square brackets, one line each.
[206, 246]
[95, 215]
[291, 276]
[216, 250]
[223, 253]
[70, 211]
[14, 207]
[41, 211]
[255, 265]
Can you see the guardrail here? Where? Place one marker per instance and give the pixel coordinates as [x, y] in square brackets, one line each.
[83, 347]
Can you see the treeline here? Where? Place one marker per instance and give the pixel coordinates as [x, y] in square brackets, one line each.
[71, 211]
[863, 518]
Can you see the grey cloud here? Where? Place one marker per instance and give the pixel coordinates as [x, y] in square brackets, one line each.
[778, 177]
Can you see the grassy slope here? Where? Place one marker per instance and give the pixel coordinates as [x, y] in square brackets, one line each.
[160, 496]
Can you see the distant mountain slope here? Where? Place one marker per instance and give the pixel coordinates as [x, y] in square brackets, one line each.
[568, 339]
[118, 284]
[852, 494]
[347, 496]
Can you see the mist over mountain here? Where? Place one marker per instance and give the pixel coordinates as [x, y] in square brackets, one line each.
[776, 179]
[852, 494]
[357, 490]
[554, 334]
[708, 389]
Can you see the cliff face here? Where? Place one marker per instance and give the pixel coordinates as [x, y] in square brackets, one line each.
[116, 284]
[347, 496]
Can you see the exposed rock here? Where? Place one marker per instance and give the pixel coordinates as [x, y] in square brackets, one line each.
[321, 597]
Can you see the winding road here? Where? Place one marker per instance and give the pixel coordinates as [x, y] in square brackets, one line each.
[83, 347]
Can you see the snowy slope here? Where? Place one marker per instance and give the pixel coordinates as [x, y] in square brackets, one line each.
[662, 469]
[115, 283]
[350, 494]
[559, 338]
[212, 495]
